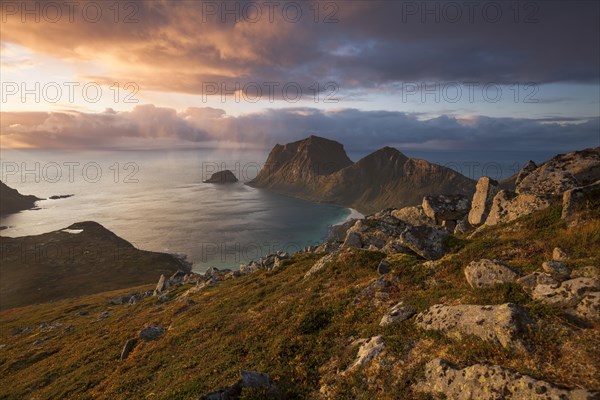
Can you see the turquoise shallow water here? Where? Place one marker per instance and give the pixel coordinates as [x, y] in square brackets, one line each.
[157, 201]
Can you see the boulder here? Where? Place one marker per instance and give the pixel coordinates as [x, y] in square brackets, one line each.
[557, 269]
[446, 207]
[248, 380]
[490, 382]
[353, 240]
[397, 313]
[225, 176]
[502, 324]
[481, 204]
[559, 255]
[508, 206]
[589, 307]
[426, 241]
[368, 350]
[485, 273]
[576, 198]
[462, 226]
[151, 332]
[526, 170]
[384, 267]
[161, 285]
[529, 282]
[413, 216]
[568, 294]
[129, 345]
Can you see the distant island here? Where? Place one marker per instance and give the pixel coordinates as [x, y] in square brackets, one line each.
[319, 169]
[225, 176]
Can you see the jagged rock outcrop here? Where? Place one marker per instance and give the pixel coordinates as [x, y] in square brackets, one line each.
[485, 273]
[576, 199]
[563, 172]
[503, 324]
[527, 169]
[508, 206]
[481, 204]
[442, 208]
[490, 382]
[426, 241]
[319, 169]
[557, 269]
[225, 176]
[413, 215]
[11, 201]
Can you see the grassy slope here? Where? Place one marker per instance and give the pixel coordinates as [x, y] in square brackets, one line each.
[300, 331]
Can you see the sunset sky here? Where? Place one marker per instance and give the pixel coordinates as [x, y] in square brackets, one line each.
[150, 74]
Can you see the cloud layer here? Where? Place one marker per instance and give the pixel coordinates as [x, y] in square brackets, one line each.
[148, 126]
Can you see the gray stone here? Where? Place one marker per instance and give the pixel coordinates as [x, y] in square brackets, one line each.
[589, 307]
[559, 255]
[485, 273]
[413, 215]
[529, 282]
[481, 204]
[446, 207]
[502, 324]
[575, 199]
[384, 267]
[161, 285]
[368, 350]
[129, 345]
[353, 240]
[491, 382]
[568, 294]
[462, 226]
[397, 313]
[526, 170]
[253, 379]
[557, 269]
[319, 265]
[426, 241]
[151, 332]
[508, 206]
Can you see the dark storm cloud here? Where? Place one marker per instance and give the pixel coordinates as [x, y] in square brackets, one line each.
[178, 46]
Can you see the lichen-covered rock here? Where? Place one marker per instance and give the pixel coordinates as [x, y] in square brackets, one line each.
[529, 282]
[575, 199]
[491, 382]
[486, 273]
[559, 254]
[503, 324]
[508, 206]
[368, 350]
[526, 170]
[426, 241]
[413, 215]
[320, 264]
[481, 204]
[568, 294]
[397, 313]
[462, 226]
[446, 207]
[563, 172]
[161, 285]
[557, 269]
[589, 307]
